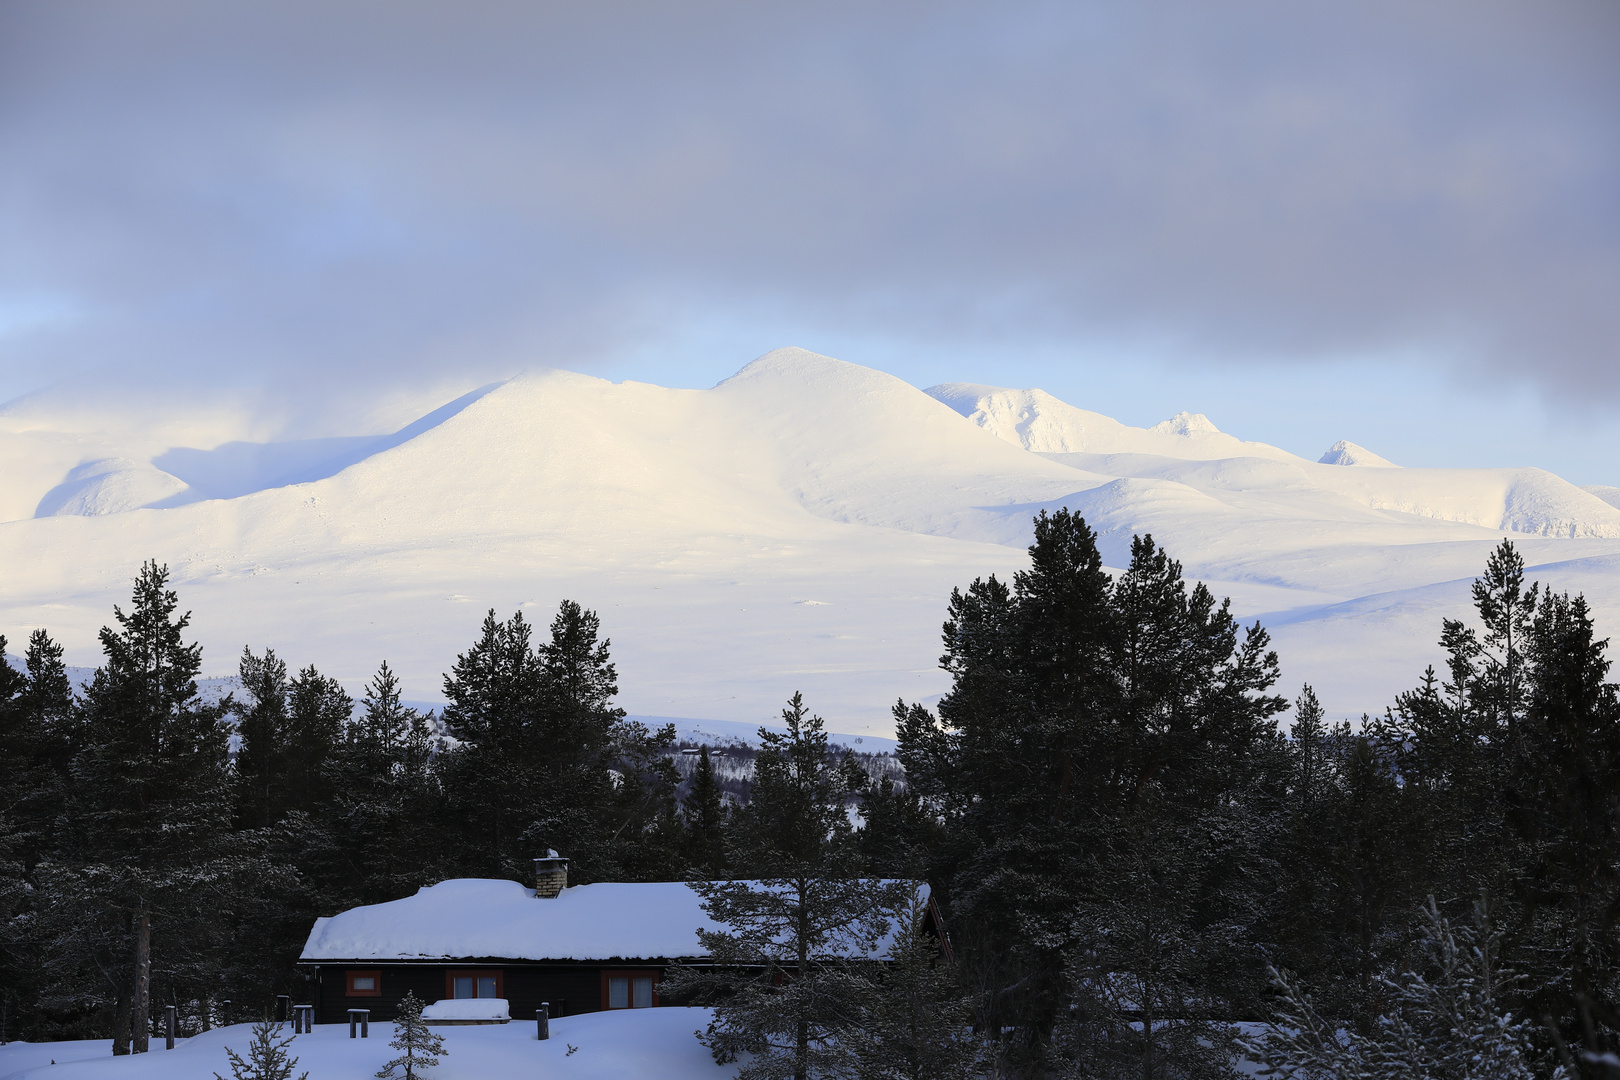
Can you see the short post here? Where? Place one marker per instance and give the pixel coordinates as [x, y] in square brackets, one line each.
[168, 1027]
[542, 1021]
[282, 1001]
[361, 1017]
[225, 1012]
[303, 1019]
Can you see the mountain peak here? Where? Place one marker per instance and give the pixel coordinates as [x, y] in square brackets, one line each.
[1345, 452]
[790, 360]
[1186, 423]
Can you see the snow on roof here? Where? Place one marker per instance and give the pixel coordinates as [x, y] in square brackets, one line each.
[466, 918]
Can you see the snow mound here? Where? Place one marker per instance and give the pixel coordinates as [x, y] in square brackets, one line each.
[109, 486]
[1345, 452]
[468, 1009]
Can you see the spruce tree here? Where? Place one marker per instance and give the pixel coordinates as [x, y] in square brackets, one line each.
[548, 761]
[388, 797]
[318, 712]
[704, 814]
[261, 726]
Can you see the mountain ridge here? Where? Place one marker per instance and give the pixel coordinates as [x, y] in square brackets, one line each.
[798, 526]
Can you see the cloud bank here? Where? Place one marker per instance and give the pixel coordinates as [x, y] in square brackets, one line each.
[311, 192]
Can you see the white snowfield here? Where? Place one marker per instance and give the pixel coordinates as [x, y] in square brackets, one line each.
[798, 527]
[606, 1046]
[486, 918]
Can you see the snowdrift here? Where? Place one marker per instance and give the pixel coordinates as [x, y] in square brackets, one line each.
[596, 1046]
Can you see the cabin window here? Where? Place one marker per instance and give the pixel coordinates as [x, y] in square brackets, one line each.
[629, 989]
[362, 983]
[473, 984]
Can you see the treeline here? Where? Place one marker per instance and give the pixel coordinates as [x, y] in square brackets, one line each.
[156, 849]
[1125, 843]
[1130, 846]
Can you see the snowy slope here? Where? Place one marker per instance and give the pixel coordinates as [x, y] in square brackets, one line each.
[595, 1046]
[799, 526]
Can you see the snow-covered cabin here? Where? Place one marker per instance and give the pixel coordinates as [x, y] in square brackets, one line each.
[579, 949]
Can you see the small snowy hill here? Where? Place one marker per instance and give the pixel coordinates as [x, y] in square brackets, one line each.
[1344, 452]
[798, 527]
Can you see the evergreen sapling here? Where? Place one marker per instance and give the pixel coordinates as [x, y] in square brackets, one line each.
[267, 1056]
[421, 1045]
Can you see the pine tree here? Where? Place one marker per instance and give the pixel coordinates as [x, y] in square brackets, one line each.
[795, 820]
[914, 1020]
[420, 1043]
[780, 986]
[1093, 727]
[17, 775]
[783, 986]
[151, 785]
[1566, 813]
[267, 1058]
[898, 831]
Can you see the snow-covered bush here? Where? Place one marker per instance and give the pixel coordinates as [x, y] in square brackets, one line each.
[1447, 1025]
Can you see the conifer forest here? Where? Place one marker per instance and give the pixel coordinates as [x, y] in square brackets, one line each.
[1150, 863]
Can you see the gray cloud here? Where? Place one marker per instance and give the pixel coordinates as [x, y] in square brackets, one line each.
[364, 190]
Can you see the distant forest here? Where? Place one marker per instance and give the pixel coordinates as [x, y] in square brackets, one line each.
[1130, 851]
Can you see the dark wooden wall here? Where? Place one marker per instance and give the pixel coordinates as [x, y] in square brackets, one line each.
[570, 988]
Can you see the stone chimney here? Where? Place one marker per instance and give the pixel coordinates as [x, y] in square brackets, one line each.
[550, 875]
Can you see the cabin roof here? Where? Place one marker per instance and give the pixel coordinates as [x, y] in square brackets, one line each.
[465, 918]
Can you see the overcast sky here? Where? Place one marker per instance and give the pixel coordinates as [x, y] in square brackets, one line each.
[1393, 222]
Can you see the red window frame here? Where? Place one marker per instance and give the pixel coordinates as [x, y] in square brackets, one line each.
[476, 973]
[376, 983]
[632, 974]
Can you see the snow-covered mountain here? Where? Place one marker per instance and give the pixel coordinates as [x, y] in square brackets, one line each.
[798, 526]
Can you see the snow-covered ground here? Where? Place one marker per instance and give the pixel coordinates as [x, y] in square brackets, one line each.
[798, 527]
[610, 1046]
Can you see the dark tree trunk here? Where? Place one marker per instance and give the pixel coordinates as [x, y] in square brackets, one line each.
[121, 1012]
[141, 1019]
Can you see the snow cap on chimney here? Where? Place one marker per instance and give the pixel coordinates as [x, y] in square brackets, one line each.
[550, 875]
